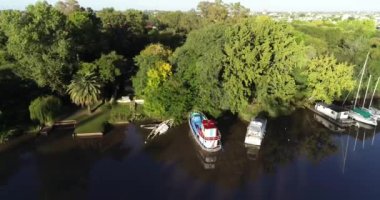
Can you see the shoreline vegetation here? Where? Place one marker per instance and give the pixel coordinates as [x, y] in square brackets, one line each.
[219, 59]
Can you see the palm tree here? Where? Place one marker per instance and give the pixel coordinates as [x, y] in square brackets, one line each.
[85, 90]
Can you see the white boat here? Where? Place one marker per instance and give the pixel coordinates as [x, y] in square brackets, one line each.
[375, 112]
[205, 132]
[363, 116]
[334, 112]
[255, 131]
[162, 128]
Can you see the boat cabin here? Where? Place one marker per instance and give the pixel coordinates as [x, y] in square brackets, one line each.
[255, 128]
[209, 129]
[332, 111]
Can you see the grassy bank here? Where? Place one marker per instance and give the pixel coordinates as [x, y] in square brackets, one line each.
[105, 114]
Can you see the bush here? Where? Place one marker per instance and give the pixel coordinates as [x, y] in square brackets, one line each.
[121, 113]
[45, 109]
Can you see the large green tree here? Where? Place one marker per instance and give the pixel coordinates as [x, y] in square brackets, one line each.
[213, 11]
[199, 64]
[261, 57]
[327, 79]
[148, 59]
[38, 38]
[85, 30]
[108, 68]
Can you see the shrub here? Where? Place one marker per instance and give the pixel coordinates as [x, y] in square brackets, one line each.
[45, 109]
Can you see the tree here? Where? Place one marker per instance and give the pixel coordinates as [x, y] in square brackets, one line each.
[199, 64]
[156, 77]
[327, 79]
[237, 11]
[67, 6]
[261, 56]
[85, 90]
[148, 59]
[108, 67]
[213, 11]
[85, 31]
[115, 30]
[39, 41]
[170, 100]
[45, 109]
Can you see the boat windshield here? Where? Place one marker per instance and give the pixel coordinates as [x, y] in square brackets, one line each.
[255, 127]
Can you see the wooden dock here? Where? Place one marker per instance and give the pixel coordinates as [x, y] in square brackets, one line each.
[66, 124]
[88, 135]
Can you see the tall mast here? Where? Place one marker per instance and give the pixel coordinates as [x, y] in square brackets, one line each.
[374, 90]
[361, 78]
[366, 91]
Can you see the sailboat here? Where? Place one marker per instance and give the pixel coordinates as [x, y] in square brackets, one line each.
[374, 111]
[361, 114]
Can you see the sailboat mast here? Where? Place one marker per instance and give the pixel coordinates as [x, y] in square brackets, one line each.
[366, 91]
[373, 94]
[361, 78]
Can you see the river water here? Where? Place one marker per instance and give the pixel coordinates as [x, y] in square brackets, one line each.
[302, 157]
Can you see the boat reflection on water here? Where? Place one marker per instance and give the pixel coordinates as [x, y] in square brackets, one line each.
[329, 125]
[207, 159]
[252, 151]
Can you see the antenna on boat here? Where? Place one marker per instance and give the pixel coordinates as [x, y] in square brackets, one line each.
[361, 78]
[365, 96]
[374, 90]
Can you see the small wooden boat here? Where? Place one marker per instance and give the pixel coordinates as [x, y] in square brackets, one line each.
[255, 131]
[160, 129]
[205, 132]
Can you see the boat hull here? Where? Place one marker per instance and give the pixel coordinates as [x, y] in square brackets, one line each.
[195, 135]
[363, 120]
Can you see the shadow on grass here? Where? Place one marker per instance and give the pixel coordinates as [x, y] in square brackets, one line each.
[96, 107]
[92, 117]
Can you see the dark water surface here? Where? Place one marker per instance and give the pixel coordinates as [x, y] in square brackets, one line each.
[300, 159]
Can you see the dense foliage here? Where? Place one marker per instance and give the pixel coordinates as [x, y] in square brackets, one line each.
[217, 58]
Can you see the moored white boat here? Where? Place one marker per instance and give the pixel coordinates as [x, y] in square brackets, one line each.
[362, 116]
[255, 131]
[205, 132]
[375, 112]
[334, 112]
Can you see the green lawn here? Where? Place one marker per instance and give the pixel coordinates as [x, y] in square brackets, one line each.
[94, 122]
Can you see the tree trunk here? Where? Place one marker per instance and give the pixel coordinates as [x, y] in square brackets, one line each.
[89, 109]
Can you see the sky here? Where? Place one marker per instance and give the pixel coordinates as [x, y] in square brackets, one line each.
[255, 5]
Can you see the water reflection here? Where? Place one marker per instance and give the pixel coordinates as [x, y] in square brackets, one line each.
[326, 123]
[298, 152]
[252, 151]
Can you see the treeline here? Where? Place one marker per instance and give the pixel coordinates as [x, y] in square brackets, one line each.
[217, 58]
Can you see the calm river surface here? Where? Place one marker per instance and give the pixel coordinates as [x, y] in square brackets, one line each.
[300, 159]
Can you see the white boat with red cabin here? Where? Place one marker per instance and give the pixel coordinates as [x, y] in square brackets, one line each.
[205, 132]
